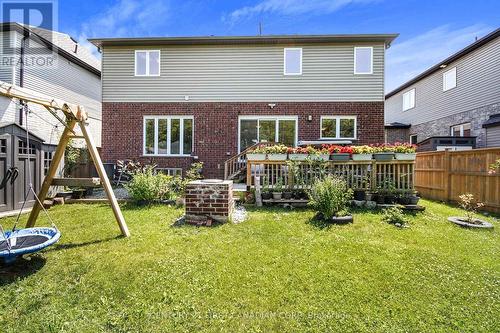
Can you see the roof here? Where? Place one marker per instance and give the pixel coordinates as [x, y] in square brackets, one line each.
[14, 128]
[61, 43]
[235, 40]
[477, 44]
[494, 120]
[397, 125]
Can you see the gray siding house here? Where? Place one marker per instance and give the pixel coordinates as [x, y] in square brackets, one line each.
[175, 100]
[459, 97]
[55, 65]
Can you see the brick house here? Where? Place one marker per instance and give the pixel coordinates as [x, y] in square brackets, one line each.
[173, 101]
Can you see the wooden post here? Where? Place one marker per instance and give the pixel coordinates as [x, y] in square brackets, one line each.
[104, 178]
[374, 176]
[58, 155]
[249, 174]
[258, 197]
[447, 175]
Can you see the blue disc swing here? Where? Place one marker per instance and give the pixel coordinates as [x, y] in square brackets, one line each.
[18, 242]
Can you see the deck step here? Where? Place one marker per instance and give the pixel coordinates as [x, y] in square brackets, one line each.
[77, 182]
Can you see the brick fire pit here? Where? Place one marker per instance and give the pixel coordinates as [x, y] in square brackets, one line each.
[208, 201]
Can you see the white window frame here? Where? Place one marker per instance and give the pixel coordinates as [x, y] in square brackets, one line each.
[277, 118]
[371, 62]
[169, 121]
[445, 88]
[170, 171]
[284, 60]
[413, 135]
[337, 127]
[147, 62]
[414, 99]
[461, 126]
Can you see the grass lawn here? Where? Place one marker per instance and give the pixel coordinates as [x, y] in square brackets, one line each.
[276, 272]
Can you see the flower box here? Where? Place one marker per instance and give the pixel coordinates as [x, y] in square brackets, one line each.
[406, 156]
[383, 156]
[277, 157]
[340, 157]
[298, 157]
[256, 157]
[362, 157]
[320, 157]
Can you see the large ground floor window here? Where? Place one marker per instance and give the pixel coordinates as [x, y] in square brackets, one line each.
[254, 129]
[168, 135]
[338, 127]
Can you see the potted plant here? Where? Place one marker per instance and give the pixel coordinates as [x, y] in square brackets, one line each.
[277, 152]
[403, 197]
[362, 153]
[321, 154]
[359, 195]
[339, 153]
[330, 197]
[277, 189]
[287, 193]
[266, 192]
[383, 152]
[257, 154]
[413, 198]
[404, 151]
[298, 153]
[467, 203]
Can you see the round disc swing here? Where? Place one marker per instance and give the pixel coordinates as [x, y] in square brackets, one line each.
[18, 242]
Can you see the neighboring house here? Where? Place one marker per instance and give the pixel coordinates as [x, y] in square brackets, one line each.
[174, 101]
[55, 65]
[455, 103]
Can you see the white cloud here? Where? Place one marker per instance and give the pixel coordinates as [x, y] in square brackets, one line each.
[126, 18]
[292, 7]
[410, 57]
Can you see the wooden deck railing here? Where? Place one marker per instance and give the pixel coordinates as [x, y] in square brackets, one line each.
[367, 175]
[237, 163]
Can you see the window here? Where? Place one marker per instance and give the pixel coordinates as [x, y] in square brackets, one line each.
[409, 100]
[363, 60]
[460, 130]
[413, 139]
[338, 127]
[450, 79]
[254, 129]
[147, 63]
[47, 159]
[292, 61]
[168, 136]
[175, 172]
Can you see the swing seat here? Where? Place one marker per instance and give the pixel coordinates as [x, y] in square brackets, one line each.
[26, 241]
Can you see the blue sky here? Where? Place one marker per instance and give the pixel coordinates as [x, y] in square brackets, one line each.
[429, 30]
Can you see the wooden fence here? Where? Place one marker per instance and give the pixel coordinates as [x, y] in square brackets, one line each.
[444, 175]
[365, 175]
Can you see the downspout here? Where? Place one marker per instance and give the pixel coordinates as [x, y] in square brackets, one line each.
[21, 73]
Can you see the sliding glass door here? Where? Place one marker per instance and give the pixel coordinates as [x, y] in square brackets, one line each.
[254, 129]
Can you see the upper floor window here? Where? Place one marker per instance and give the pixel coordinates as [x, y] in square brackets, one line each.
[413, 139]
[338, 127]
[450, 79]
[363, 60]
[147, 63]
[409, 99]
[168, 135]
[292, 61]
[460, 130]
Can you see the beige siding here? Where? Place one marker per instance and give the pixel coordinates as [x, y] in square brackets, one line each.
[478, 84]
[242, 73]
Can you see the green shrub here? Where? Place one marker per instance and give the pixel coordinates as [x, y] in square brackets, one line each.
[330, 197]
[146, 185]
[394, 215]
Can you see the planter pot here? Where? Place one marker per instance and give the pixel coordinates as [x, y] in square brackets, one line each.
[383, 156]
[287, 195]
[413, 200]
[256, 157]
[266, 195]
[369, 196]
[389, 199]
[65, 195]
[77, 194]
[404, 200]
[359, 195]
[300, 195]
[461, 221]
[340, 157]
[380, 199]
[342, 219]
[362, 157]
[321, 157]
[297, 157]
[405, 156]
[277, 157]
[277, 195]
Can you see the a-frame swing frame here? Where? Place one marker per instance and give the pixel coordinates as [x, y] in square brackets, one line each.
[74, 115]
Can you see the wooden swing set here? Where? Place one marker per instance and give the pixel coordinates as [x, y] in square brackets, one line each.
[73, 114]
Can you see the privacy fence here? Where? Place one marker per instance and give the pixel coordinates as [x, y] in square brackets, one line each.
[444, 175]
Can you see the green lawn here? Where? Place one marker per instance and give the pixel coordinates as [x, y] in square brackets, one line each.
[276, 272]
